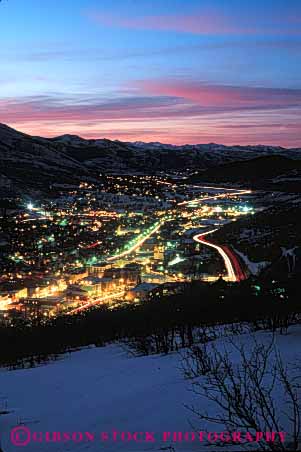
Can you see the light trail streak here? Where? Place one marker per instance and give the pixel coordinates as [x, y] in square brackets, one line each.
[35, 219]
[214, 188]
[93, 245]
[229, 267]
[95, 302]
[222, 195]
[136, 246]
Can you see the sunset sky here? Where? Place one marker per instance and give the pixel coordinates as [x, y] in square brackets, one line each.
[175, 71]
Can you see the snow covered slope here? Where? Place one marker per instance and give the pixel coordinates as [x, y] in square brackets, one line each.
[104, 389]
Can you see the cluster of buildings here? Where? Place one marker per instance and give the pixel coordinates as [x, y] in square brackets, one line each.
[45, 297]
[142, 227]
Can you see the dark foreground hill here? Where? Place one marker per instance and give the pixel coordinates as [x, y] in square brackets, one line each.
[270, 172]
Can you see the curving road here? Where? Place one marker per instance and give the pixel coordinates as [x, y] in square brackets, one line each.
[235, 272]
[235, 261]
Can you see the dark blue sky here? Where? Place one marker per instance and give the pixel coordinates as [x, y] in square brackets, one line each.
[164, 70]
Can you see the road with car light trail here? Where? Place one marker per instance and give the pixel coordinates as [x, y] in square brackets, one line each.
[235, 272]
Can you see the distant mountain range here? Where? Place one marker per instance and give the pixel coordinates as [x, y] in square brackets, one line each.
[30, 163]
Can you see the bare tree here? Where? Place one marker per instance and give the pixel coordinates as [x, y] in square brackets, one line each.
[3, 411]
[257, 394]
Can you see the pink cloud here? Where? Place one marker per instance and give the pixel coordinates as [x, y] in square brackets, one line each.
[207, 22]
[81, 108]
[223, 96]
[203, 24]
[172, 111]
[151, 100]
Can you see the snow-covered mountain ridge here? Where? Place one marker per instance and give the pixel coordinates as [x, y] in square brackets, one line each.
[37, 162]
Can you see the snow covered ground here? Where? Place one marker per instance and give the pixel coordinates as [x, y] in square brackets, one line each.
[254, 267]
[105, 389]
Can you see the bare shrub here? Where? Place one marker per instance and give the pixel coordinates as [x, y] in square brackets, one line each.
[248, 388]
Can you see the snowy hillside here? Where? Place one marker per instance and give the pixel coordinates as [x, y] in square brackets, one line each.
[104, 389]
[28, 163]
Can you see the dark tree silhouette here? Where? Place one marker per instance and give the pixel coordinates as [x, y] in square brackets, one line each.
[244, 393]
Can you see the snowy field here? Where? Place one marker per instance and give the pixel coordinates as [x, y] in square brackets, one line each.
[104, 390]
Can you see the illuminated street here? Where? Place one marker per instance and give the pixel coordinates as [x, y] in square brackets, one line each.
[96, 246]
[234, 270]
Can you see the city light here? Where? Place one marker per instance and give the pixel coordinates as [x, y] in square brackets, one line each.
[246, 209]
[137, 245]
[98, 301]
[175, 261]
[55, 247]
[229, 267]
